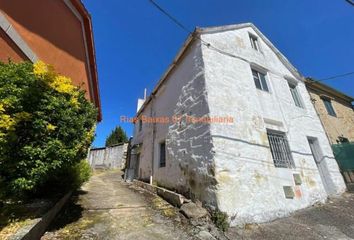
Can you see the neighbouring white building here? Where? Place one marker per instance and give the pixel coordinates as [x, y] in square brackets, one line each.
[272, 159]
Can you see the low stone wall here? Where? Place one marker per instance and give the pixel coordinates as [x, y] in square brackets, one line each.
[37, 228]
[108, 157]
[173, 198]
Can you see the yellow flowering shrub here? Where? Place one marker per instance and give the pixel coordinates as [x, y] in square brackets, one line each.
[44, 71]
[6, 123]
[60, 83]
[46, 127]
[51, 127]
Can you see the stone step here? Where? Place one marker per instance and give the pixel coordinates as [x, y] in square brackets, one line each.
[350, 187]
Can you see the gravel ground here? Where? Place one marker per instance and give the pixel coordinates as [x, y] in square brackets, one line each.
[108, 208]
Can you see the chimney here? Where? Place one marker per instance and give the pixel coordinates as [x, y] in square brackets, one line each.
[141, 101]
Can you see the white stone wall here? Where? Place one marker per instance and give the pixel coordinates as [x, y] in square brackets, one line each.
[109, 157]
[230, 166]
[144, 137]
[250, 187]
[189, 166]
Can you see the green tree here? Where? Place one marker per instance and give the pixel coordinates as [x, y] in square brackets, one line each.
[46, 127]
[117, 136]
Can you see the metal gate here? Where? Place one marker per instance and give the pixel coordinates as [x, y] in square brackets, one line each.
[344, 154]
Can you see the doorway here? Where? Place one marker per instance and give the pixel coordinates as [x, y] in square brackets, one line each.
[321, 166]
[136, 167]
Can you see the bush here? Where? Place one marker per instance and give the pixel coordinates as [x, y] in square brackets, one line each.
[46, 127]
[220, 220]
[81, 172]
[67, 178]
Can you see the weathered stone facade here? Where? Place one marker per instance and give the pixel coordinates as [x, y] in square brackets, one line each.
[341, 125]
[113, 157]
[189, 166]
[229, 166]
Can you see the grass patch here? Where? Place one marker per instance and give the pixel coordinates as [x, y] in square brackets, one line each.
[221, 220]
[164, 207]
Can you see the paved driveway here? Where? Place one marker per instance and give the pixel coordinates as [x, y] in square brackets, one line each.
[334, 220]
[108, 208]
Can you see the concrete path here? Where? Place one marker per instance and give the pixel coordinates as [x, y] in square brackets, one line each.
[333, 220]
[108, 208]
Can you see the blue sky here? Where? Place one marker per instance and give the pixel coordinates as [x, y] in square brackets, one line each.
[135, 43]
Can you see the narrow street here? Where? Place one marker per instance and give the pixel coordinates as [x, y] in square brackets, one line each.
[108, 208]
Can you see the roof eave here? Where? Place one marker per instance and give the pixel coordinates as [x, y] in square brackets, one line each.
[205, 30]
[91, 52]
[315, 85]
[171, 67]
[282, 58]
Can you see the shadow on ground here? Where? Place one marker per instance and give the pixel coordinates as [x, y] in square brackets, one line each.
[15, 214]
[71, 212]
[111, 209]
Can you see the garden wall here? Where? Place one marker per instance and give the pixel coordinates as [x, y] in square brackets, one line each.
[108, 157]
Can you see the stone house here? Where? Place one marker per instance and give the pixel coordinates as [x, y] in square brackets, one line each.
[335, 110]
[56, 32]
[231, 124]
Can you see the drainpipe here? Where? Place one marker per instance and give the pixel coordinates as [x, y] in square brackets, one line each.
[127, 160]
[153, 138]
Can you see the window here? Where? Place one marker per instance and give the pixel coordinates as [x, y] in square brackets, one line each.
[280, 149]
[254, 42]
[295, 94]
[328, 104]
[140, 125]
[342, 140]
[260, 80]
[162, 162]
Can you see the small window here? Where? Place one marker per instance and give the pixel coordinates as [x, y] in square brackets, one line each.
[260, 80]
[140, 125]
[162, 162]
[343, 140]
[254, 42]
[280, 149]
[328, 104]
[295, 94]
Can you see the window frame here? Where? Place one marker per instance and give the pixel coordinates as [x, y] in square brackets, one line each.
[162, 163]
[280, 149]
[261, 81]
[295, 95]
[140, 125]
[329, 107]
[342, 139]
[254, 42]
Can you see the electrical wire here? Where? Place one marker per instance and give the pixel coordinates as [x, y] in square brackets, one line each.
[335, 76]
[182, 26]
[350, 2]
[170, 16]
[209, 45]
